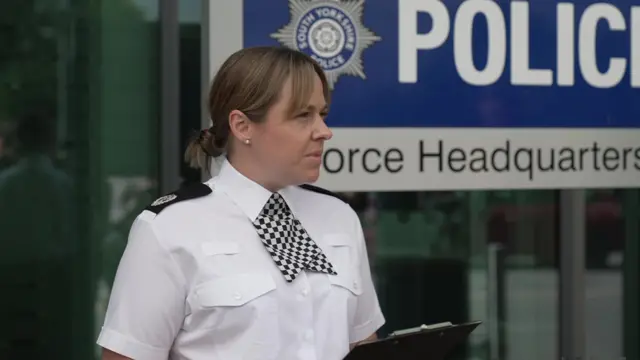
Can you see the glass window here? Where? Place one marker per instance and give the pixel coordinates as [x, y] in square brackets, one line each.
[468, 255]
[613, 224]
[494, 256]
[191, 97]
[78, 160]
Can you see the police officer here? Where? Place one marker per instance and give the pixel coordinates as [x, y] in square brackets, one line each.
[254, 263]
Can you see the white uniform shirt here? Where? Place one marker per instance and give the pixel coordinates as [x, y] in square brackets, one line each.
[196, 282]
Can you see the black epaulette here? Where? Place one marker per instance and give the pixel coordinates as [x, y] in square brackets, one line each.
[192, 191]
[320, 190]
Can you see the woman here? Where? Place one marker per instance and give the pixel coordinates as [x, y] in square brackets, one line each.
[251, 264]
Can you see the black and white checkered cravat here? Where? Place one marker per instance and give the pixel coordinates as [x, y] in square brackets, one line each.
[287, 242]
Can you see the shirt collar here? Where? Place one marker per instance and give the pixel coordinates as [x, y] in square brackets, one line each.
[248, 195]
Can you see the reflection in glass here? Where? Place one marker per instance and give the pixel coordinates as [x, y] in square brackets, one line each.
[468, 255]
[38, 242]
[38, 245]
[78, 145]
[613, 221]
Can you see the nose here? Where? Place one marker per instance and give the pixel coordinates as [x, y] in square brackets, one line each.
[322, 131]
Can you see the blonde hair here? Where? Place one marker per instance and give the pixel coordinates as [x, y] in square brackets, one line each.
[251, 81]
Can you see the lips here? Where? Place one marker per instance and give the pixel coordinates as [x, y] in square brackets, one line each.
[315, 154]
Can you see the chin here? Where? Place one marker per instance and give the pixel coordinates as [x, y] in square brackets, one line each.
[311, 176]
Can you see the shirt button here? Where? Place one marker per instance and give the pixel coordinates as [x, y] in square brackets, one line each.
[308, 335]
[237, 296]
[355, 285]
[305, 292]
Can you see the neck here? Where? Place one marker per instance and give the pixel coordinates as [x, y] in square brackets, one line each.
[254, 172]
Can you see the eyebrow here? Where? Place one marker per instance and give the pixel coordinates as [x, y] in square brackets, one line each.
[312, 107]
[324, 108]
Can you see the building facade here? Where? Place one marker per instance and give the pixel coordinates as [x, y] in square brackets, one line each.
[97, 102]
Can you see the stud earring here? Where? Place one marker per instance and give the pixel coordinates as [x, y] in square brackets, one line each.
[247, 141]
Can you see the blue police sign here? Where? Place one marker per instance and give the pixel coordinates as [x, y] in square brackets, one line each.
[436, 63]
[432, 94]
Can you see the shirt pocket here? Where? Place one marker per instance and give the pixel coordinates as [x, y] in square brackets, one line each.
[239, 314]
[234, 290]
[344, 258]
[346, 286]
[224, 258]
[242, 306]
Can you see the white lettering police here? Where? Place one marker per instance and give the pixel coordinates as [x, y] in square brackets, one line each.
[331, 32]
[569, 40]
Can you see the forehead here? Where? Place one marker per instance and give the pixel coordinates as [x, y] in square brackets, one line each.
[303, 90]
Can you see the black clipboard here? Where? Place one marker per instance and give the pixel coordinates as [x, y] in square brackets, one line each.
[422, 344]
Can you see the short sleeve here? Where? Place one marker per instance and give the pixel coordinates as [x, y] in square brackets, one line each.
[369, 317]
[147, 303]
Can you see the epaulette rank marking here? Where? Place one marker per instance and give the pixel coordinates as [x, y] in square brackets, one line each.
[186, 193]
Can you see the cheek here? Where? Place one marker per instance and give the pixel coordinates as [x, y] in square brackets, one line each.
[278, 148]
[298, 147]
[294, 142]
[284, 148]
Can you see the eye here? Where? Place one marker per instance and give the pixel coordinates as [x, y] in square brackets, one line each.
[324, 114]
[304, 115]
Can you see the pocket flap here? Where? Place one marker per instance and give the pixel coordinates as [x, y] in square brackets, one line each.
[336, 240]
[220, 248]
[235, 290]
[347, 281]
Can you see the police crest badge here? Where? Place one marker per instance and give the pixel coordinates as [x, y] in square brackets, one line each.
[331, 32]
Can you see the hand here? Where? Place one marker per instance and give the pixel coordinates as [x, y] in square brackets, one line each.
[372, 337]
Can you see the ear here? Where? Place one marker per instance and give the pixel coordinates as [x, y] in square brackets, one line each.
[240, 125]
